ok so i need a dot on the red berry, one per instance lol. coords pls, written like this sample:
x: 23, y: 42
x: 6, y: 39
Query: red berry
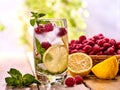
x: 100, y: 36
x: 45, y: 45
x: 48, y: 27
x: 82, y: 38
x: 106, y: 45
x: 99, y: 53
x: 90, y: 42
x: 87, y: 48
x: 70, y: 81
x: 112, y: 41
x: 96, y: 48
x: 74, y: 51
x: 79, y: 46
x: 62, y: 32
x: 110, y: 51
x: 118, y: 52
x: 106, y: 40
x: 96, y: 37
x: 101, y: 42
x: 40, y: 29
x: 78, y: 79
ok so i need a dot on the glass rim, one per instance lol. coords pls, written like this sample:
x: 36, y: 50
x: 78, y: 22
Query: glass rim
x: 53, y: 19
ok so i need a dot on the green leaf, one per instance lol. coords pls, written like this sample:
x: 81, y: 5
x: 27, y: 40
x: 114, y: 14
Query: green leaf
x: 28, y: 79
x: 15, y: 73
x: 40, y: 50
x: 12, y: 81
x: 41, y: 14
x: 32, y: 22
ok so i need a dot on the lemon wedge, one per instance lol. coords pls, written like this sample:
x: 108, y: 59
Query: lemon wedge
x: 106, y: 69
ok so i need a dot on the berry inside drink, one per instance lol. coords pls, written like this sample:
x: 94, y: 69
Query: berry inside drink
x: 51, y: 50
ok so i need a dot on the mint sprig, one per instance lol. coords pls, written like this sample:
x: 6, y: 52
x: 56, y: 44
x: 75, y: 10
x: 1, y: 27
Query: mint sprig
x: 17, y: 80
x: 36, y: 18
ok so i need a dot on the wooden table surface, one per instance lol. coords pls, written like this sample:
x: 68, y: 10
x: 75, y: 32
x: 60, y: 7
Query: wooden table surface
x: 22, y: 63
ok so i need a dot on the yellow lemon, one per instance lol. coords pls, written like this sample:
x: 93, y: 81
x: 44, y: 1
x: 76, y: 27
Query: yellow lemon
x: 106, y: 69
x: 55, y: 58
x: 79, y: 64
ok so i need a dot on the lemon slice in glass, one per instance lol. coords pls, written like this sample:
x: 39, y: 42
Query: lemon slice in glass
x: 55, y: 58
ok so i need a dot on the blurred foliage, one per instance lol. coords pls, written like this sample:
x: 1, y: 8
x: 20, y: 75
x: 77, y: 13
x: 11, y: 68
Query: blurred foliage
x: 73, y: 10
x: 2, y: 27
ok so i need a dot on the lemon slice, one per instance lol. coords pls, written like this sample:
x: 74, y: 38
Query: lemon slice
x: 106, y: 69
x: 79, y: 64
x: 55, y: 58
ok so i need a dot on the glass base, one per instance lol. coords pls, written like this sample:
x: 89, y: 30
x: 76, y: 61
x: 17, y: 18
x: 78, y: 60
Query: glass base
x: 52, y: 79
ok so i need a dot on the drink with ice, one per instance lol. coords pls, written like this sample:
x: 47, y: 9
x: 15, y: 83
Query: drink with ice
x: 50, y: 50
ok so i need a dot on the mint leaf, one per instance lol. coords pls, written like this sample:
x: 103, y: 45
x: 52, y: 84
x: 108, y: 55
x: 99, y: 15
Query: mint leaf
x: 29, y: 79
x: 36, y: 18
x: 40, y: 50
x: 13, y: 82
x: 17, y: 80
x: 41, y: 14
x: 15, y: 73
x: 32, y: 22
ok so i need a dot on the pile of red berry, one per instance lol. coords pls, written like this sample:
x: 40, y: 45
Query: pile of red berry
x: 97, y: 45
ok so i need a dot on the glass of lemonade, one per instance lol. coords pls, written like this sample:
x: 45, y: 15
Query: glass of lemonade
x: 51, y: 50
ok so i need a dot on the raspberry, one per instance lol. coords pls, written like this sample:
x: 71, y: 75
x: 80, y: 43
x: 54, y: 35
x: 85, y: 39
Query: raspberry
x: 118, y: 52
x: 99, y: 53
x: 48, y: 27
x: 101, y: 42
x: 70, y: 81
x: 82, y: 38
x: 96, y: 37
x: 96, y: 48
x: 112, y: 41
x: 79, y: 46
x: 106, y: 45
x: 78, y: 79
x: 91, y: 53
x: 45, y: 45
x: 90, y: 42
x: 106, y: 40
x: 40, y: 29
x: 62, y: 32
x: 110, y: 51
x: 87, y: 48
x: 74, y: 51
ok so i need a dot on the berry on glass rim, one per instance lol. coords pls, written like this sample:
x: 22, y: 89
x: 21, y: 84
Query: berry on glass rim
x: 45, y: 45
x: 62, y: 32
x: 48, y: 27
x: 70, y: 81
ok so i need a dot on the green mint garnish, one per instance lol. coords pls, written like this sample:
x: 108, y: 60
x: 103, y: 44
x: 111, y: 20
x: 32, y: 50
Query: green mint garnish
x: 17, y: 80
x: 36, y: 19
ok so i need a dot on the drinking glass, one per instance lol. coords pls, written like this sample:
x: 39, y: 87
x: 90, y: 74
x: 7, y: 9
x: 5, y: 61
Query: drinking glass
x: 51, y: 50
